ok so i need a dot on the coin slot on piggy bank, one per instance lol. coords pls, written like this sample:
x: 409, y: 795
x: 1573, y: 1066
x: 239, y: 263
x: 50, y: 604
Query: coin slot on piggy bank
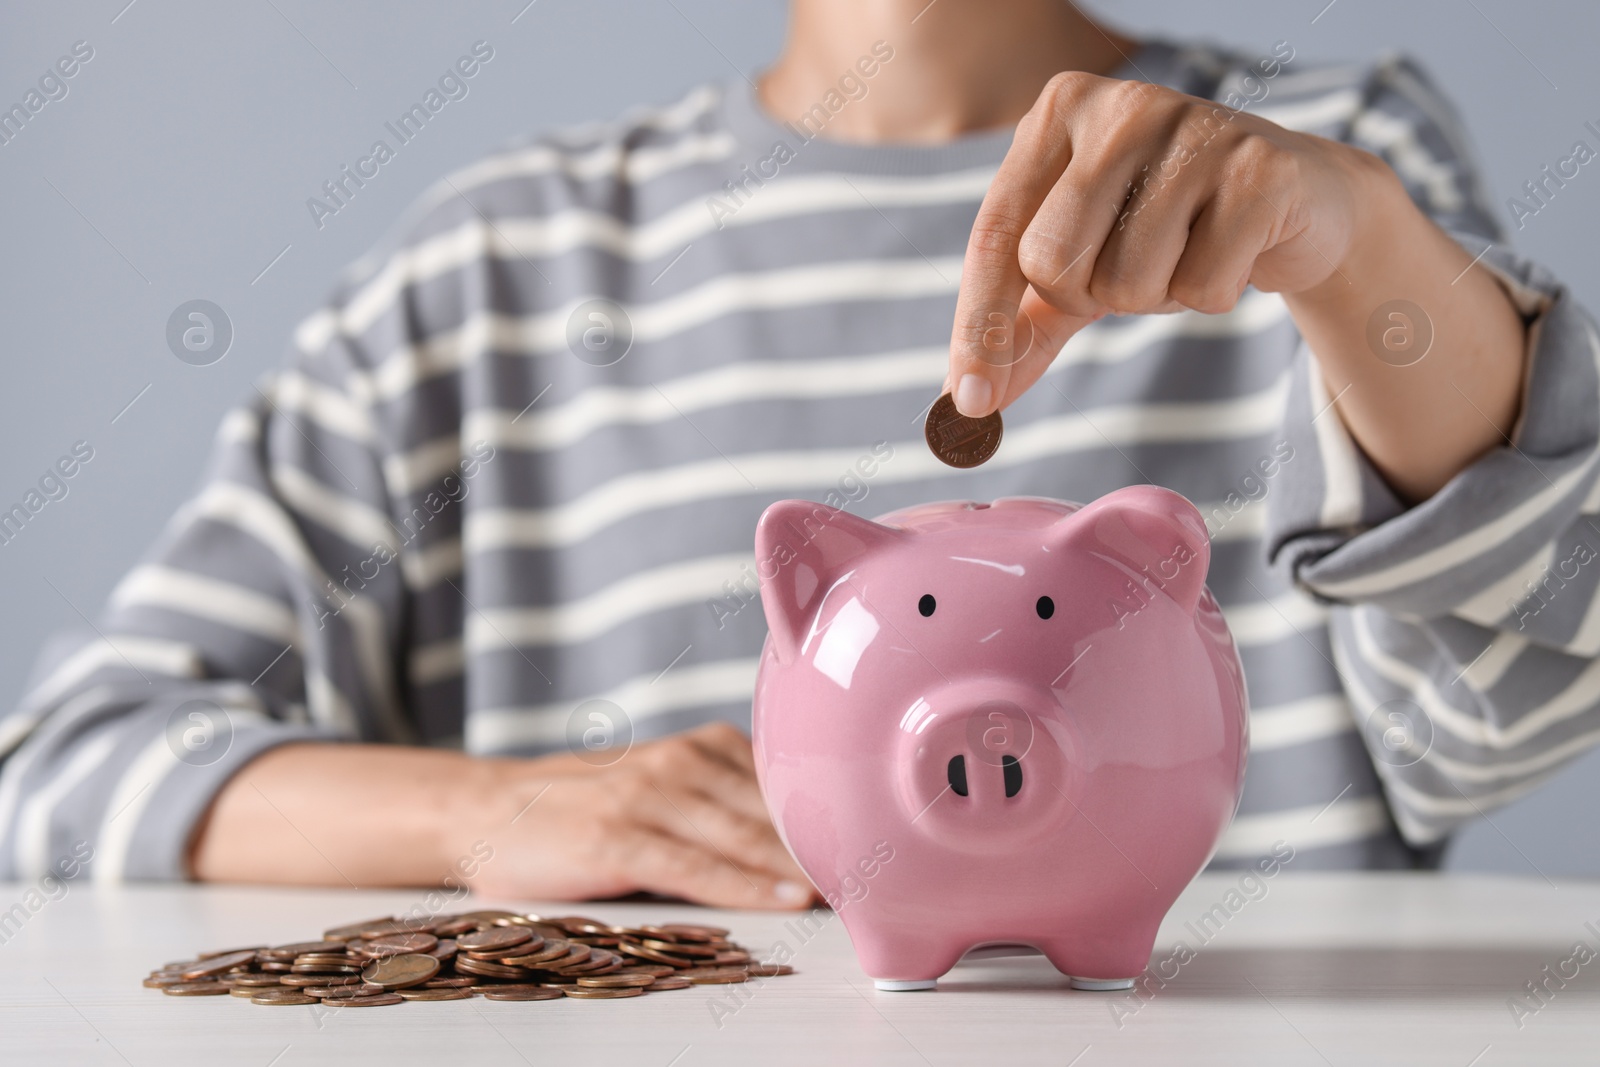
x: 1035, y: 707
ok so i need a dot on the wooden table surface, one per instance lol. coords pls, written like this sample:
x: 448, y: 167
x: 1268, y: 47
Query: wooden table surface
x: 1306, y: 969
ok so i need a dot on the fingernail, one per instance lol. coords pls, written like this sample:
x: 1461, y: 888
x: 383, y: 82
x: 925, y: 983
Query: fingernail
x: 791, y: 892
x: 973, y: 395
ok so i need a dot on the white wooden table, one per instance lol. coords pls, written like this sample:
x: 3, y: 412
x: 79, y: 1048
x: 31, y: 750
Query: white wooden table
x: 1322, y: 969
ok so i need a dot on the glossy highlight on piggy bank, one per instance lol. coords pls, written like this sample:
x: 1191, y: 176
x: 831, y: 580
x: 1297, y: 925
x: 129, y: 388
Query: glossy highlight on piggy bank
x: 1035, y: 706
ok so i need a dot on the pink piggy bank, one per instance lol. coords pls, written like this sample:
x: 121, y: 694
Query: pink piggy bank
x: 1017, y: 724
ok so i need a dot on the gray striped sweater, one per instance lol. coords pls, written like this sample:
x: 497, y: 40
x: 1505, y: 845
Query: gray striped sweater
x: 515, y: 464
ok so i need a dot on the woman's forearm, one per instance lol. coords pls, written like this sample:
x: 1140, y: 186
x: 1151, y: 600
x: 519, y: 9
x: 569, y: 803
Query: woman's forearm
x: 341, y: 815
x: 1402, y: 285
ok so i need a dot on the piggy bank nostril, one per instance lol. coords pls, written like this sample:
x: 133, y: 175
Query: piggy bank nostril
x: 1045, y: 607
x: 926, y: 605
x: 957, y: 773
x: 1012, y: 768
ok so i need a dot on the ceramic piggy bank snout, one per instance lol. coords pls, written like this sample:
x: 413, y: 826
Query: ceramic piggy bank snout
x: 975, y: 725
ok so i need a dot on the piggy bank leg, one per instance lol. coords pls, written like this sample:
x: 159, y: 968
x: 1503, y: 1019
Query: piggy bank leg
x: 1102, y: 962
x: 902, y: 962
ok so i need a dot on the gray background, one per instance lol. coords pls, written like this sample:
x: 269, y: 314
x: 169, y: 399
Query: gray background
x: 179, y: 164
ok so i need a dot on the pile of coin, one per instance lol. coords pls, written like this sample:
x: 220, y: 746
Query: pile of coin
x: 499, y: 955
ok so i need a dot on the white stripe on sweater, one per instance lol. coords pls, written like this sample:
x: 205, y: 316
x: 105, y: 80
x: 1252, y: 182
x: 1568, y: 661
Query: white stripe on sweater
x: 491, y: 730
x: 545, y: 333
x: 62, y: 722
x: 1497, y: 600
x: 1341, y: 473
x: 261, y: 519
x: 1314, y: 826
x: 1476, y: 542
x: 514, y: 237
x: 173, y: 659
x: 213, y: 599
x: 33, y: 821
x: 633, y: 494
x: 1299, y: 722
x: 1579, y: 696
x: 1264, y: 622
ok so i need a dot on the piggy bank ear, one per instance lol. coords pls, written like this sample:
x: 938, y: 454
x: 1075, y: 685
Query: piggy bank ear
x: 801, y: 549
x: 1150, y: 530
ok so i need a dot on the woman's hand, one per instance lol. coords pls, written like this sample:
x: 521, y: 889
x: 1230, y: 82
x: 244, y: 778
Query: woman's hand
x: 1121, y: 197
x: 681, y: 816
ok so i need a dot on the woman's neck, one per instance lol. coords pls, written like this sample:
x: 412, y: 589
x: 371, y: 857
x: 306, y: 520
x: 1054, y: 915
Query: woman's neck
x: 954, y: 66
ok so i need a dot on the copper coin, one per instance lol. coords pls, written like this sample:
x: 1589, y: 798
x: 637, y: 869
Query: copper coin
x: 669, y: 982
x: 299, y: 948
x: 552, y: 949
x: 273, y: 999
x: 683, y: 948
x: 275, y: 994
x: 397, y: 972
x: 434, y: 994
x: 737, y: 955
x: 493, y: 939
x: 533, y: 944
x: 716, y: 977
x: 580, y: 924
x: 489, y: 916
x: 586, y: 993
x: 277, y: 966
x: 650, y: 954
x: 692, y: 931
x: 196, y: 989
x: 450, y: 926
x: 160, y: 980
x: 353, y: 930
x: 326, y: 968
x: 244, y: 991
x: 768, y: 970
x: 214, y: 965
x: 263, y: 980
x: 485, y: 969
x: 337, y: 992
x: 229, y: 952
x: 545, y: 930
x: 458, y: 982
x: 716, y: 969
x: 655, y: 970
x: 523, y: 993
x: 957, y: 440
x: 307, y: 980
x: 589, y: 970
x: 615, y: 981
x: 376, y: 1001
x: 397, y: 926
x: 398, y: 945
x: 443, y: 949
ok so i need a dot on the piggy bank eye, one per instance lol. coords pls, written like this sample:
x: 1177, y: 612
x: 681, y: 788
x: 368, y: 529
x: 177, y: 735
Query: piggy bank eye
x: 926, y: 605
x: 1045, y: 607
